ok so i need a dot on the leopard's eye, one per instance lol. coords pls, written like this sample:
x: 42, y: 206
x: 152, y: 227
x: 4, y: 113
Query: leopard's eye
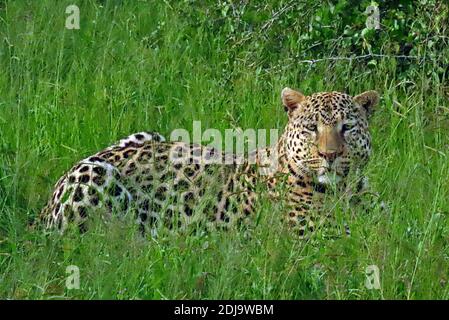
x: 347, y: 127
x: 311, y: 127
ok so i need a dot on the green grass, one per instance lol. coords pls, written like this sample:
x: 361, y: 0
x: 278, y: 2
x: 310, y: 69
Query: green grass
x: 145, y: 65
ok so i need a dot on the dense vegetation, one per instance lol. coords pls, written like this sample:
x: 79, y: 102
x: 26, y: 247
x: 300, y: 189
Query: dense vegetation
x: 159, y: 65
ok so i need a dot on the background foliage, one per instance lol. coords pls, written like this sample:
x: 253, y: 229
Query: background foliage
x: 159, y: 65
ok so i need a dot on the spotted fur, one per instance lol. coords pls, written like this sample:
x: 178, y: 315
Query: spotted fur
x: 177, y: 184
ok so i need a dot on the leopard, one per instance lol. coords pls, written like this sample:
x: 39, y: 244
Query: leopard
x: 176, y: 184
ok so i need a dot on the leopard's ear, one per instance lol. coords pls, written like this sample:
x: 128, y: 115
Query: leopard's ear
x: 367, y: 100
x: 291, y: 99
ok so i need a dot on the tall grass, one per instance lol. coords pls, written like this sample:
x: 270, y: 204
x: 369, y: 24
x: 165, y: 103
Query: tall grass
x: 143, y: 65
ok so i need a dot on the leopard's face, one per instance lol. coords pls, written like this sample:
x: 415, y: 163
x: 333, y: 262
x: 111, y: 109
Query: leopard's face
x: 327, y: 134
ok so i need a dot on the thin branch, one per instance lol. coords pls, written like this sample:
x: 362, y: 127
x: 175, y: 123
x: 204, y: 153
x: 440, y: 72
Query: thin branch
x: 312, y: 61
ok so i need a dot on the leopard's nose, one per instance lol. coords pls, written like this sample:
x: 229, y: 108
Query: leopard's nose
x: 329, y: 155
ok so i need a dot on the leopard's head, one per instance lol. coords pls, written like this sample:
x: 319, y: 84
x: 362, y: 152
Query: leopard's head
x: 327, y: 133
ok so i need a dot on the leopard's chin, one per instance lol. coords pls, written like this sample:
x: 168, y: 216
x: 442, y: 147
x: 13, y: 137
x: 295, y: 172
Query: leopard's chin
x: 329, y: 178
